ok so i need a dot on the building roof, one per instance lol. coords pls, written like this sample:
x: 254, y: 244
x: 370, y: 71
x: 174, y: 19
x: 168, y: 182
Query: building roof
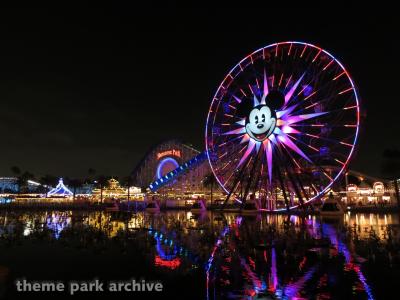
x: 60, y: 190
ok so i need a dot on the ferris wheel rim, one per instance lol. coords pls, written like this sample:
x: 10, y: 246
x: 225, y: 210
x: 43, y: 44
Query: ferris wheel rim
x: 356, y: 97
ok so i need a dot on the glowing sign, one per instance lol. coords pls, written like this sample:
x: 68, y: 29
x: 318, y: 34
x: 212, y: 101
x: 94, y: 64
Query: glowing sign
x: 172, y: 152
x: 166, y: 165
x: 379, y: 188
x: 352, y: 188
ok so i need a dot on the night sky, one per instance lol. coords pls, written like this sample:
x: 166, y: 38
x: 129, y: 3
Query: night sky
x: 96, y: 87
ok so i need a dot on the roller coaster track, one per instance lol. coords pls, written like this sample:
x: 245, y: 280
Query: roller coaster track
x: 182, y: 169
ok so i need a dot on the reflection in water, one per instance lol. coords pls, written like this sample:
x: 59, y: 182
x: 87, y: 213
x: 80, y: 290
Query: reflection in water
x: 318, y: 249
x: 56, y: 222
x: 163, y: 259
x: 340, y: 247
x: 211, y: 259
x: 270, y: 256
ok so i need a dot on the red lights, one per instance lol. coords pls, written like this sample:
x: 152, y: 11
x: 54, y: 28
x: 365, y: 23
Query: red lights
x: 171, y: 264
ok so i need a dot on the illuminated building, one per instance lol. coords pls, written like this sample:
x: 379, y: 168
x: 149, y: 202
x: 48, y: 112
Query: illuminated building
x: 168, y: 157
x: 165, y: 158
x: 366, y: 194
x: 113, y: 190
x: 10, y: 185
x: 85, y: 190
x: 60, y: 190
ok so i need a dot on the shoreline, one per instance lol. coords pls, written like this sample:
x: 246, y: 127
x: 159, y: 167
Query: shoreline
x: 102, y: 207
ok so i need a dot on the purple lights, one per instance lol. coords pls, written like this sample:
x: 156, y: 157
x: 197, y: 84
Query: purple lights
x: 284, y: 107
x: 166, y: 165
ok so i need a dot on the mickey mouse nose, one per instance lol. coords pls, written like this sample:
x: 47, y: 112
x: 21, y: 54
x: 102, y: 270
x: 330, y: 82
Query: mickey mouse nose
x: 259, y: 126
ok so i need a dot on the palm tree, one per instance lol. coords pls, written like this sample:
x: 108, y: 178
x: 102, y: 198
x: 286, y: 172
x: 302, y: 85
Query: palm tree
x: 47, y: 181
x: 17, y: 172
x: 128, y: 182
x: 391, y: 167
x: 75, y: 183
x: 91, y: 173
x: 102, y: 182
x: 209, y: 181
x: 22, y: 179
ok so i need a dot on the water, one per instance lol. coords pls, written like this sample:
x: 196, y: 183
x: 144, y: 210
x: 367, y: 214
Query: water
x: 208, y: 256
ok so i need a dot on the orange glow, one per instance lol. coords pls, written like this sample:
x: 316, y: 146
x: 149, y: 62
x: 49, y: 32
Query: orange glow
x: 172, y: 152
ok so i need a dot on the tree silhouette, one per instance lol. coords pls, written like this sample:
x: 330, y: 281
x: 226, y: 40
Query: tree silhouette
x: 209, y: 181
x: 391, y: 168
x: 16, y: 170
x: 48, y: 181
x: 102, y: 182
x: 127, y: 181
x: 91, y: 173
x: 22, y: 178
x: 75, y: 183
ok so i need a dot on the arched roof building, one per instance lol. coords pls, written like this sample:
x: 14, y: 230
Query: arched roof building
x: 166, y: 157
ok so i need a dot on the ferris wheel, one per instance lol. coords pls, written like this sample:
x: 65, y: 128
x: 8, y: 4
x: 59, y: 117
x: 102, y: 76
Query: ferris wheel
x: 283, y: 125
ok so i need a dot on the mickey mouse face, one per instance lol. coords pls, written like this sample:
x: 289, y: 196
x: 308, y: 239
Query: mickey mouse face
x: 260, y: 123
x: 260, y: 116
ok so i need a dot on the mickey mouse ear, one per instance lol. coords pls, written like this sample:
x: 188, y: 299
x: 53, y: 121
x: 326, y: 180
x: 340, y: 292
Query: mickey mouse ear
x: 244, y: 108
x: 275, y: 99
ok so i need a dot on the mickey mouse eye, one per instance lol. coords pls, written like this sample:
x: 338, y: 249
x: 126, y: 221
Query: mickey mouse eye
x: 263, y: 117
x: 256, y: 119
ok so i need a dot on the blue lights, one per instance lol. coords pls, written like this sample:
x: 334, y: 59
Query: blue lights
x: 60, y: 190
x: 5, y: 200
x: 161, y: 181
x: 163, y: 163
x: 223, y: 96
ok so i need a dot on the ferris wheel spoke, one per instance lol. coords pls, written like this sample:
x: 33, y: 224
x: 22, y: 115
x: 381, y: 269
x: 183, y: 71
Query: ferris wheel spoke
x: 226, y: 142
x: 321, y: 87
x: 250, y: 149
x: 346, y: 144
x: 333, y: 141
x: 298, y: 188
x: 327, y: 66
x: 236, y: 131
x: 338, y: 76
x: 297, y: 165
x: 265, y: 87
x: 239, y: 173
x: 315, y: 149
x: 326, y: 101
x: 268, y: 154
x: 289, y: 171
x: 299, y: 148
x: 231, y: 152
x: 286, y: 140
x: 345, y: 91
x: 297, y: 118
x: 289, y: 94
x: 238, y: 100
x: 283, y: 189
x: 286, y: 111
x: 318, y: 125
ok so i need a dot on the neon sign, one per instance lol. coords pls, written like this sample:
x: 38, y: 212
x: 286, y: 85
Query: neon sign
x: 171, y: 264
x: 172, y: 152
x: 165, y: 166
